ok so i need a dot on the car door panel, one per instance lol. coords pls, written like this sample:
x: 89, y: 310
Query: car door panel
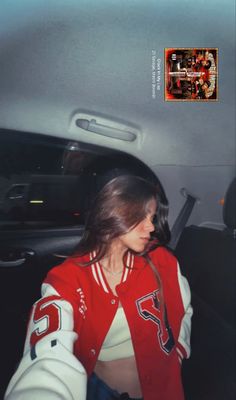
x: 36, y: 253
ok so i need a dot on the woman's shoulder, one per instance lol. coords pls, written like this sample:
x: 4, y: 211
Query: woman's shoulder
x: 67, y: 277
x: 163, y: 256
x: 69, y: 269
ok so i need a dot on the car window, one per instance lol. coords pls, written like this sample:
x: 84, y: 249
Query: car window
x: 47, y: 181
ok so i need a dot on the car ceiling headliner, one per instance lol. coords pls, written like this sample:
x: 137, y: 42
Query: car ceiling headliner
x: 61, y: 57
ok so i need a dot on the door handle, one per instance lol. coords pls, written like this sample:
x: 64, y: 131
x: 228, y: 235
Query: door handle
x: 16, y: 257
x: 12, y: 263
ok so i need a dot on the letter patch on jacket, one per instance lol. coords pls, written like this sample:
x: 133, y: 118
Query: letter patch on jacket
x: 149, y: 309
x: 46, y: 318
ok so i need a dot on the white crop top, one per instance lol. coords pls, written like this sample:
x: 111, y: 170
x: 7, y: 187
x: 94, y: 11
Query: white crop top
x: 117, y: 343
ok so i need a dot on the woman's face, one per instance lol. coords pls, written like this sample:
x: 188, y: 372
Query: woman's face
x: 138, y: 237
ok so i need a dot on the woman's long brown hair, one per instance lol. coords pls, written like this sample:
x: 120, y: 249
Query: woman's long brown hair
x: 120, y: 205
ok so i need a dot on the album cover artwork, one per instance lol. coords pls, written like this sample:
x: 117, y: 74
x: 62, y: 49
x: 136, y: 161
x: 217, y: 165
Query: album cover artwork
x: 191, y: 74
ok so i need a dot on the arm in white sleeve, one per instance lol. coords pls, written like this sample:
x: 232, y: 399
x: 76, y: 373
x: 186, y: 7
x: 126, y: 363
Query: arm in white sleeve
x: 183, y: 346
x: 49, y: 370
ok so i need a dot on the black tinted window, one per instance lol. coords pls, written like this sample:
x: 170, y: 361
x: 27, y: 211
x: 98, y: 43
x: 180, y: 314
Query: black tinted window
x: 47, y: 181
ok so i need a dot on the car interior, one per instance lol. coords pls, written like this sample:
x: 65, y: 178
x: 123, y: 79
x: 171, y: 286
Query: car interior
x: 86, y: 95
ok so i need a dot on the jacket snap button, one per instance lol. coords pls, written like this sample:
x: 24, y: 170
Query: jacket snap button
x: 93, y: 352
x: 113, y: 301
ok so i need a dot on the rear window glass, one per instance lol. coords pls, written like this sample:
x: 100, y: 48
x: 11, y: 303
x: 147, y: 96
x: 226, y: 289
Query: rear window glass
x: 48, y: 182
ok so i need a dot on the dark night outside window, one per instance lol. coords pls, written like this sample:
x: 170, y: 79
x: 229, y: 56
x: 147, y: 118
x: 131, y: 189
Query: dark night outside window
x: 50, y: 182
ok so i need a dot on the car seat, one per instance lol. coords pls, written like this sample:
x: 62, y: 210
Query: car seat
x: 208, y: 259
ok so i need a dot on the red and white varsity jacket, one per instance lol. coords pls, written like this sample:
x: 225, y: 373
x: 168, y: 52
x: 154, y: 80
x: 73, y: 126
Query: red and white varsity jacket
x: 69, y: 323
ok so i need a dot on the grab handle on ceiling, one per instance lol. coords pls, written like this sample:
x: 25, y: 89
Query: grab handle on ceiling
x: 105, y: 130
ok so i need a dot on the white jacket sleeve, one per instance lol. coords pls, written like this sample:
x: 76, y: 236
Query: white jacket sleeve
x: 183, y: 346
x: 49, y: 370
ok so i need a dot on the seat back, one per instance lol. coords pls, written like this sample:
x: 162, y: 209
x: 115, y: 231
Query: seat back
x: 208, y: 260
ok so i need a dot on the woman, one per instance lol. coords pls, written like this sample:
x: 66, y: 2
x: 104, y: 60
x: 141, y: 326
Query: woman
x: 102, y: 320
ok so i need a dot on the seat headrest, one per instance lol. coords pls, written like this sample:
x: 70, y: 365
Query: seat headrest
x: 229, y: 209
